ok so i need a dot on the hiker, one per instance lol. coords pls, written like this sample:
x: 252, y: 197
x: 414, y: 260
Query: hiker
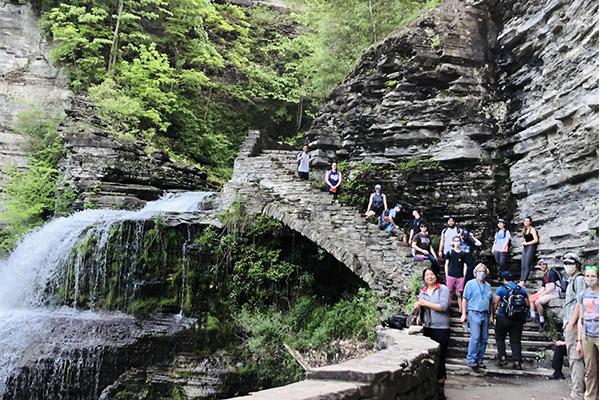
x: 333, y: 180
x: 576, y: 286
x: 304, y: 159
x: 560, y: 352
x: 436, y: 298
x: 377, y: 203
x: 468, y: 244
x: 501, y: 246
x: 448, y: 233
x: 587, y: 331
x: 455, y: 270
x: 511, y: 304
x: 530, y: 242
x: 414, y: 224
x: 388, y: 220
x: 421, y: 244
x: 477, y: 304
x: 550, y: 290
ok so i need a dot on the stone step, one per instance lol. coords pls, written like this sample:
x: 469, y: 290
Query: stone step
x: 491, y: 353
x: 529, y: 326
x: 458, y: 366
x: 525, y: 344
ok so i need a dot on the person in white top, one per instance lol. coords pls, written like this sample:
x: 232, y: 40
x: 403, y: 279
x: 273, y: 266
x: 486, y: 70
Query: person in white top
x: 304, y: 159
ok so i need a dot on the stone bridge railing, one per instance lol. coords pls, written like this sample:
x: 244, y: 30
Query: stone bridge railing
x: 404, y: 368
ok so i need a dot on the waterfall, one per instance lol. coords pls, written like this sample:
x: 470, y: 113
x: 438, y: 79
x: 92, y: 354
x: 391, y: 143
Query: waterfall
x: 29, y: 278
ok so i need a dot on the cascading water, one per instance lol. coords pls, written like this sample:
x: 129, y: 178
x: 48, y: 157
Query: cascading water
x: 32, y: 275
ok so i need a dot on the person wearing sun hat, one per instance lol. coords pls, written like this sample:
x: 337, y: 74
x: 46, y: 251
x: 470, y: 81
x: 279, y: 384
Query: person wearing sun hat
x: 587, y: 330
x: 576, y: 286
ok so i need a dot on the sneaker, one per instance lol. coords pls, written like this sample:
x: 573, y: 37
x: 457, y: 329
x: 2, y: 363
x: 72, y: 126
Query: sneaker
x: 474, y: 367
x: 481, y: 365
x: 517, y: 365
x: 501, y: 362
x: 542, y: 327
x: 556, y: 376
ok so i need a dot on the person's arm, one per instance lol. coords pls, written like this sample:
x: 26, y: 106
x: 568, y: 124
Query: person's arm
x: 340, y: 181
x: 443, y: 304
x: 464, y: 270
x: 573, y: 320
x: 497, y: 299
x: 446, y: 264
x: 441, y: 246
x: 417, y: 248
x: 299, y: 156
x: 385, y: 206
x: 475, y: 240
x: 327, y: 179
x: 370, y: 203
x: 465, y: 303
x: 412, y: 233
x: 579, y: 347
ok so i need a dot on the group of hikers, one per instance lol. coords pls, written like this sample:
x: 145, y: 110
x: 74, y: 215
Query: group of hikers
x: 507, y: 308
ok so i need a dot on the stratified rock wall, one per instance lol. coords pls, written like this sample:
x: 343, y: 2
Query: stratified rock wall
x: 27, y: 79
x: 548, y: 68
x: 105, y: 172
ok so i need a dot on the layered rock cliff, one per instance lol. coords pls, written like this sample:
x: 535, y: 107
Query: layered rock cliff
x: 494, y: 107
x: 28, y: 81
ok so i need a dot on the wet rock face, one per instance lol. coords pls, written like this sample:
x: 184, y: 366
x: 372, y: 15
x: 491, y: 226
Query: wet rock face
x: 81, y: 354
x: 548, y: 70
x: 108, y: 173
x: 27, y: 79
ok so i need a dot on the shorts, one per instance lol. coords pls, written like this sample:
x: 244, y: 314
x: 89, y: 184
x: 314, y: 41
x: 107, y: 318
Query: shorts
x: 455, y: 284
x: 544, y: 298
x: 303, y: 175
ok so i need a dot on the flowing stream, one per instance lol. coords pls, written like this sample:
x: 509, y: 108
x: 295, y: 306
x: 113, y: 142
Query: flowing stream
x: 27, y: 318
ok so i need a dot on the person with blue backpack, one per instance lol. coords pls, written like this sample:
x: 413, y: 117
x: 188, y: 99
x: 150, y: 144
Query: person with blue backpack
x: 511, y: 304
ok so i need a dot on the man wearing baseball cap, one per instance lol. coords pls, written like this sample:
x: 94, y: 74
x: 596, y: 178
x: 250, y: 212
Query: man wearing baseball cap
x: 576, y: 286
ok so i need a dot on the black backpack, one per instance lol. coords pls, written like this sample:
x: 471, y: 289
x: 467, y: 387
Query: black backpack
x: 396, y: 322
x: 515, y: 304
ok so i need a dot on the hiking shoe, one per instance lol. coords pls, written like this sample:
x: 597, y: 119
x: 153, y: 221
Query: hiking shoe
x: 556, y: 376
x: 517, y: 366
x: 481, y: 365
x: 542, y: 327
x: 501, y: 362
x: 474, y: 367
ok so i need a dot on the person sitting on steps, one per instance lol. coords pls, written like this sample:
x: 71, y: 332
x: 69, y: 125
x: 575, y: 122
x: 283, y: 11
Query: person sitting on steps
x: 455, y: 270
x: 560, y: 352
x: 550, y: 290
x: 388, y: 220
x: 421, y: 244
x: 377, y: 203
x: 304, y: 159
x: 333, y: 180
x: 511, y: 303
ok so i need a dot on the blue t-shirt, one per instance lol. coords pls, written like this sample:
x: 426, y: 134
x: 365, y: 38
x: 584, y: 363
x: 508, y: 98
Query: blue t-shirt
x: 502, y: 291
x: 502, y: 241
x: 478, y: 296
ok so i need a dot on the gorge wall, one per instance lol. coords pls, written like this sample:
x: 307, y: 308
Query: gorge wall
x: 28, y: 81
x: 481, y: 110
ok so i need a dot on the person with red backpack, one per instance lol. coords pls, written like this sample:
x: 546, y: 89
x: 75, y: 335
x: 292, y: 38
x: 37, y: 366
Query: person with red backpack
x: 550, y: 290
x: 511, y: 304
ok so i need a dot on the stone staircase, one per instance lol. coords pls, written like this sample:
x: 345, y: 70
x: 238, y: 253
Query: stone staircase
x: 264, y: 181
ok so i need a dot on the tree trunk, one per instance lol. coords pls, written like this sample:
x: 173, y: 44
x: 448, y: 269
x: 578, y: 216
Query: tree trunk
x: 373, y: 26
x: 299, y: 116
x: 112, y: 60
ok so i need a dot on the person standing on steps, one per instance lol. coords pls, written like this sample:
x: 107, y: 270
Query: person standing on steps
x: 377, y: 203
x: 511, y: 303
x: 455, y: 269
x: 576, y: 286
x: 587, y: 331
x: 477, y: 304
x: 414, y: 224
x: 468, y: 244
x: 304, y: 159
x: 448, y: 233
x: 501, y: 246
x: 436, y: 298
x: 421, y: 244
x: 333, y: 180
x: 550, y: 290
x: 530, y: 243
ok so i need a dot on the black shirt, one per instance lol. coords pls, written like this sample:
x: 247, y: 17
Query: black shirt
x: 456, y: 263
x: 423, y: 241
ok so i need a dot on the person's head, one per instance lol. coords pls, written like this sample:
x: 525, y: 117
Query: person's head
x: 429, y: 277
x: 398, y: 207
x: 378, y: 188
x: 527, y: 222
x: 305, y: 149
x: 480, y: 272
x: 506, y: 276
x: 543, y: 264
x: 334, y: 166
x: 423, y: 227
x: 416, y: 213
x: 451, y: 222
x: 590, y: 274
x: 501, y: 224
x: 571, y: 263
x: 456, y: 242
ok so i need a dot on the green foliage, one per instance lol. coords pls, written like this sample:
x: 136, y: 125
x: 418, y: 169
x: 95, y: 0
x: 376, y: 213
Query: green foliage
x: 339, y: 31
x: 413, y: 165
x: 358, y: 179
x: 30, y: 197
x: 436, y: 42
x: 416, y: 282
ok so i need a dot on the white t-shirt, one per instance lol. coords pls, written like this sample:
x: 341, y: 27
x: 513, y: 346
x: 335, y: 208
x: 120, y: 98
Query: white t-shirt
x: 304, y: 162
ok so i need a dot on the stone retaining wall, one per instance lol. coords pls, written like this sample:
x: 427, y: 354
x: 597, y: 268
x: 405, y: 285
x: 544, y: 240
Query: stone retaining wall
x: 405, y: 368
